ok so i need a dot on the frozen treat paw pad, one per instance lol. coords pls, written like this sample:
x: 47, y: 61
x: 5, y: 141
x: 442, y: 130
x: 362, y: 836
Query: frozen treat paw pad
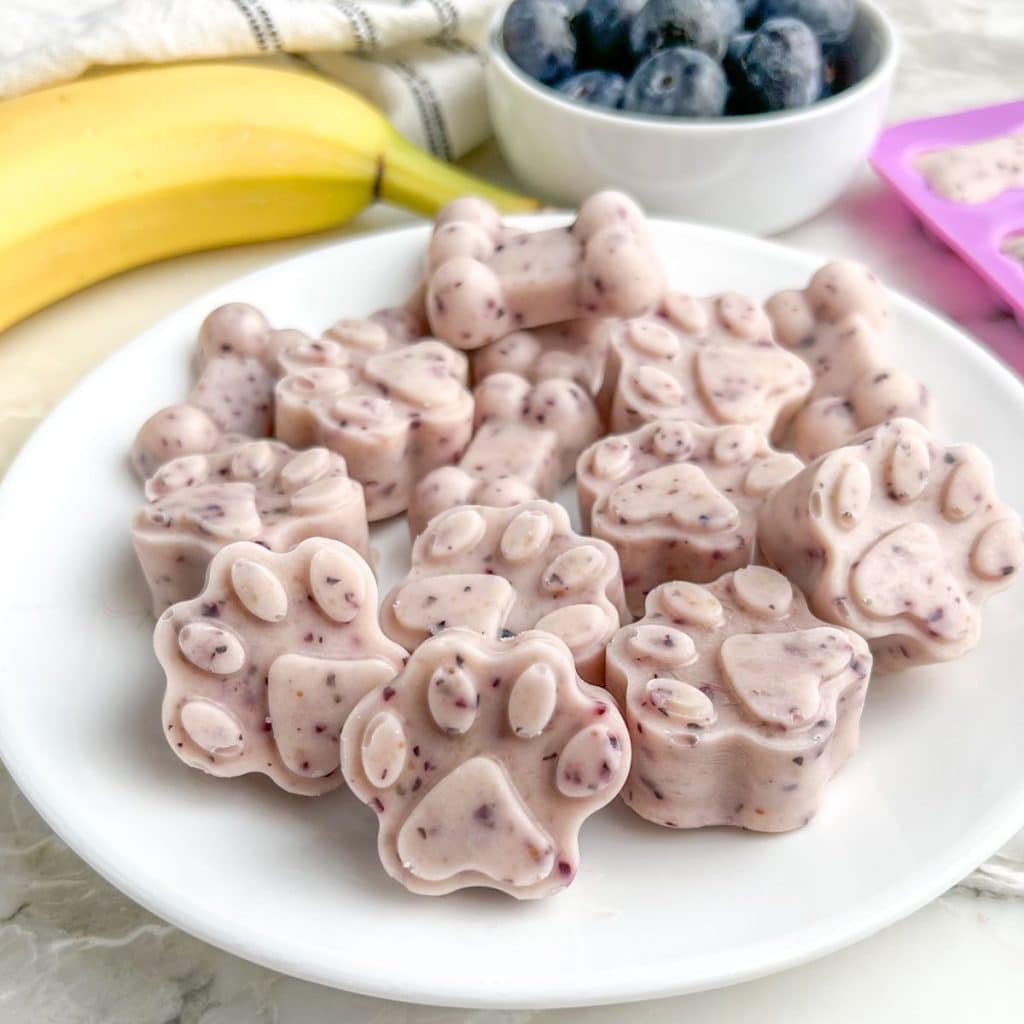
x: 741, y: 705
x: 525, y: 445
x: 500, y: 571
x: 678, y: 500
x: 576, y: 350
x: 482, y: 760
x: 262, y: 672
x: 394, y: 412
x: 261, y: 491
x: 837, y: 325
x: 710, y: 360
x: 899, y: 538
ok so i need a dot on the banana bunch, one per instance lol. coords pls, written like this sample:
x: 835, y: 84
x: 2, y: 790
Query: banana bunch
x: 126, y: 167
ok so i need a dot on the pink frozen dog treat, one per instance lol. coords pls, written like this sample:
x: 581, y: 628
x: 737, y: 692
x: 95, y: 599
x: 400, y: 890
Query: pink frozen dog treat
x: 741, y: 705
x: 264, y: 666
x: 836, y: 325
x: 526, y: 443
x: 482, y: 760
x: 898, y: 538
x: 975, y: 172
x: 394, y: 415
x: 499, y: 571
x: 678, y: 501
x: 709, y: 360
x: 576, y: 350
x: 261, y: 491
x: 240, y: 357
x: 486, y: 282
x: 234, y: 391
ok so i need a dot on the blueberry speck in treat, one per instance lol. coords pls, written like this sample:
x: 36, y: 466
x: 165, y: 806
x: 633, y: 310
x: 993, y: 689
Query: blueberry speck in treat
x: 564, y: 868
x: 211, y: 610
x: 377, y: 805
x: 798, y: 760
x: 387, y: 693
x: 537, y: 37
x: 677, y: 83
x: 484, y: 815
x: 598, y: 88
x: 705, y: 25
x: 422, y: 832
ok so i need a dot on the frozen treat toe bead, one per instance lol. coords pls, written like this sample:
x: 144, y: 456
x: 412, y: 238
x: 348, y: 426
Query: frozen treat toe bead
x: 678, y: 501
x: 525, y: 445
x: 172, y: 432
x: 486, y: 281
x: 394, y: 414
x: 482, y: 760
x: 576, y: 350
x: 837, y: 325
x: 500, y: 571
x: 741, y: 705
x: 896, y: 537
x: 266, y: 663
x: 235, y: 329
x: 710, y: 360
x: 261, y: 491
x: 468, y: 226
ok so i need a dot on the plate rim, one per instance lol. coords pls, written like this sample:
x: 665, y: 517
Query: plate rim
x: 635, y: 985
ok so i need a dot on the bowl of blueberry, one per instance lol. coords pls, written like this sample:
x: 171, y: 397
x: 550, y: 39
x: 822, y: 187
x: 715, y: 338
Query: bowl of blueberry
x: 752, y: 114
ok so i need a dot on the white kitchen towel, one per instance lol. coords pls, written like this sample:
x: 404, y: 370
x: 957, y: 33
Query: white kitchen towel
x: 419, y: 60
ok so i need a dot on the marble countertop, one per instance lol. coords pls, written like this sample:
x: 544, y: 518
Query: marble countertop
x: 73, y: 949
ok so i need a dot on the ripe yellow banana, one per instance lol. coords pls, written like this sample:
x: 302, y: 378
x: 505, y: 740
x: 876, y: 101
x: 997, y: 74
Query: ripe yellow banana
x: 128, y: 167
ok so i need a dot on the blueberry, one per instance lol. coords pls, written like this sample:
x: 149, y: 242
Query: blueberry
x: 839, y: 69
x: 602, y: 33
x: 830, y: 20
x: 601, y: 88
x: 537, y: 37
x: 782, y: 66
x: 749, y: 9
x: 703, y: 25
x: 680, y: 82
x: 732, y: 65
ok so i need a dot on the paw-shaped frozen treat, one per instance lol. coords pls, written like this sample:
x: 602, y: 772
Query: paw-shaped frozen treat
x: 482, y: 760
x: 394, y: 415
x: 486, y: 282
x: 741, y: 705
x: 240, y: 357
x: 678, y: 501
x: 264, y: 666
x: 837, y: 326
x: 262, y: 491
x: 499, y: 571
x: 525, y: 445
x: 576, y: 350
x: 898, y: 538
x: 710, y: 360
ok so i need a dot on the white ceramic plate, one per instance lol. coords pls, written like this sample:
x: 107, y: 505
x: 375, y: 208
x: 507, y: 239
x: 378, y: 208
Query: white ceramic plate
x: 293, y: 883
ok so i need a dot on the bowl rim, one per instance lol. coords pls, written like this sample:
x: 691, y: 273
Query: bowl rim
x: 880, y: 74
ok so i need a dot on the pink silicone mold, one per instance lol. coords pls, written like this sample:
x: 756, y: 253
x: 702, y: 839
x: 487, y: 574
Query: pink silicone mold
x: 976, y: 232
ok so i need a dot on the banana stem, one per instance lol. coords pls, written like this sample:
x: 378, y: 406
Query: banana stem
x: 414, y: 179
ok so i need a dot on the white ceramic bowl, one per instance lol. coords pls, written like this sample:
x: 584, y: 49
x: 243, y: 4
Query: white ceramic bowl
x: 759, y: 173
